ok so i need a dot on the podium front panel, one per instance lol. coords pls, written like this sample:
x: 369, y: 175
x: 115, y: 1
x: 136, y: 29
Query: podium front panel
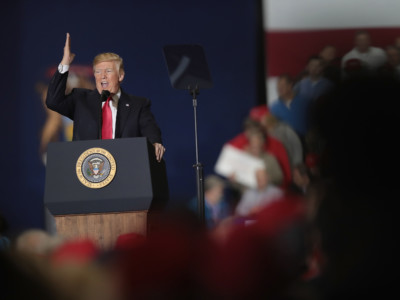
x: 131, y: 189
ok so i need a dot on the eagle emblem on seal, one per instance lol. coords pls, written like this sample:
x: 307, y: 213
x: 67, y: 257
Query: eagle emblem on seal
x: 95, y: 167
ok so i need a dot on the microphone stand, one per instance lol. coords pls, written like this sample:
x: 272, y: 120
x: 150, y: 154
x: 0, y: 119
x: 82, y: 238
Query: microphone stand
x: 199, y: 167
x: 188, y: 70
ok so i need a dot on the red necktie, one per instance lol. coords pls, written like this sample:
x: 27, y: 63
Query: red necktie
x: 106, y: 129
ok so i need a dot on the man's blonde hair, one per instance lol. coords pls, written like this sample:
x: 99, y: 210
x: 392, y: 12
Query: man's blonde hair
x: 109, y: 56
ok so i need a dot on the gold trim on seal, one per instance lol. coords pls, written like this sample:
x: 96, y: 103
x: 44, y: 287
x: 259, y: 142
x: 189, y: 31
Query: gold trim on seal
x: 107, y: 180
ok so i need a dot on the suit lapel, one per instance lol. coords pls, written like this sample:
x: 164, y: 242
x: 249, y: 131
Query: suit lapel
x: 124, y: 108
x: 96, y: 109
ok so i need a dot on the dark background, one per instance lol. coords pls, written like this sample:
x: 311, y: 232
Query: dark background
x: 33, y: 37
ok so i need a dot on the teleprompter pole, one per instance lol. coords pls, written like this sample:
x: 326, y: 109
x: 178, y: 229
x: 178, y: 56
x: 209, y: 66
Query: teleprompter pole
x: 198, y: 165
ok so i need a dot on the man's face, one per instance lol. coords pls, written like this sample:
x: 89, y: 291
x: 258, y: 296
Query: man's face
x: 397, y: 42
x: 107, y: 77
x: 393, y: 56
x: 284, y: 88
x: 256, y: 144
x: 214, y: 195
x: 328, y: 53
x: 362, y: 42
x: 314, y: 67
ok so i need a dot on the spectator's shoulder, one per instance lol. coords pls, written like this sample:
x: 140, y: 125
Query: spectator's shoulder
x: 327, y: 81
x: 4, y: 243
x: 275, y: 190
x: 351, y: 54
x: 378, y: 51
x: 299, y: 97
x: 192, y: 204
x: 275, y: 103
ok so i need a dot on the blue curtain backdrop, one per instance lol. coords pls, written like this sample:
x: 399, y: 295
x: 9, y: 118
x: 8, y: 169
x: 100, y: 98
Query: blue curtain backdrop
x: 33, y: 38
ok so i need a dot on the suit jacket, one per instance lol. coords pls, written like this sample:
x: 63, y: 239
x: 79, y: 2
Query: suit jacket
x: 83, y: 106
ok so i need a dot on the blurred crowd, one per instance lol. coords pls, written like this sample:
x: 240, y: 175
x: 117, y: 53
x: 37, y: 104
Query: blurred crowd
x: 318, y: 224
x: 287, y: 133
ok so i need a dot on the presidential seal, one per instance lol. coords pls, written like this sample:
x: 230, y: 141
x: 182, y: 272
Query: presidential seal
x: 96, y: 168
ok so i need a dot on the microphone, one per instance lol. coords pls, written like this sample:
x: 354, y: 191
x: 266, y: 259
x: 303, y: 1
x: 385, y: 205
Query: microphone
x: 104, y: 95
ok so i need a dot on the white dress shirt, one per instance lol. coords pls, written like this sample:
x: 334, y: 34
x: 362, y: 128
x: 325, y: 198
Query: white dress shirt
x: 253, y: 198
x: 373, y: 58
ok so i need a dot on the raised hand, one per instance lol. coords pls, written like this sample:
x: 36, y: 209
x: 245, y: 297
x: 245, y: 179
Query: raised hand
x: 68, y: 56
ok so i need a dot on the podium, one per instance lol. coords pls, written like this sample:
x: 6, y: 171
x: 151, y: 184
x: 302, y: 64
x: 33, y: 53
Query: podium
x: 100, y: 189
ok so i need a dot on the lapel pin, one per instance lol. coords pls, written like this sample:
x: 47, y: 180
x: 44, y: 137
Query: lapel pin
x: 127, y: 104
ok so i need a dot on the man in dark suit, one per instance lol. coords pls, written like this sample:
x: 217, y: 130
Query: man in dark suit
x: 130, y: 116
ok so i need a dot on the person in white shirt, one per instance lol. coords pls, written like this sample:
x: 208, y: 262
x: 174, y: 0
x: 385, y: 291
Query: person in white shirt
x: 255, y: 199
x: 370, y: 58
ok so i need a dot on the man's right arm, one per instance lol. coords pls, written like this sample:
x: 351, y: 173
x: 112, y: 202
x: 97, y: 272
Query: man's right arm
x: 56, y: 99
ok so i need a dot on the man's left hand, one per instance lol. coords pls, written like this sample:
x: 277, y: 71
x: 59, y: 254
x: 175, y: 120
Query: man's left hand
x: 159, y: 151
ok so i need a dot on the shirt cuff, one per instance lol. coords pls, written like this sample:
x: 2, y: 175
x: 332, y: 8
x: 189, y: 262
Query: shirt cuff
x: 63, y: 68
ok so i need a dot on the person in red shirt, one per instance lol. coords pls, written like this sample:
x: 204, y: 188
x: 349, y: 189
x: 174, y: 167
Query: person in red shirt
x: 272, y: 145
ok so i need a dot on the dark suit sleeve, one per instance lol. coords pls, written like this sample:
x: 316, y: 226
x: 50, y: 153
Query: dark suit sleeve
x: 148, y: 124
x: 56, y: 99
